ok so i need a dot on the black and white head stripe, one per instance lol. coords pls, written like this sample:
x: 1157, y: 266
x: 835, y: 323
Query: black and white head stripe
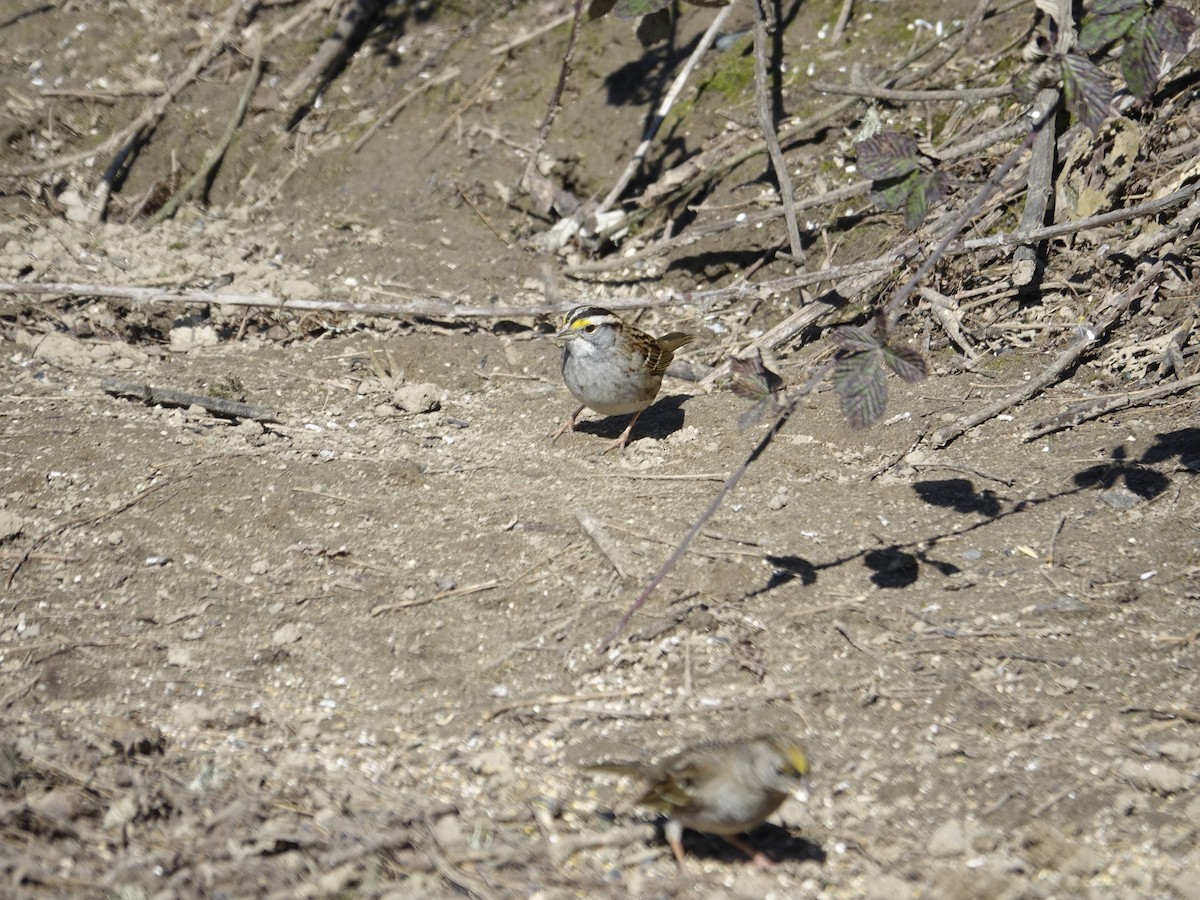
x: 582, y: 316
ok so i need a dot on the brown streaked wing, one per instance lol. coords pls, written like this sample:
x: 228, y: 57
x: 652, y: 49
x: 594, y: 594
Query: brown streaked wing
x: 661, y: 358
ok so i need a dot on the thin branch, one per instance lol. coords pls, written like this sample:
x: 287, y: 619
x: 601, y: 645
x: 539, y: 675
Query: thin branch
x: 949, y: 48
x: 792, y: 404
x: 205, y: 172
x: 527, y: 36
x: 442, y: 77
x: 216, y: 406
x: 665, y: 107
x: 555, y: 98
x: 336, y: 48
x: 1149, y: 208
x: 767, y: 123
x: 1039, y: 180
x: 1067, y: 359
x: 696, y: 232
x: 433, y: 309
x: 876, y: 92
x: 944, y: 310
x: 82, y: 520
x: 1102, y: 406
x: 843, y: 19
x: 155, y: 110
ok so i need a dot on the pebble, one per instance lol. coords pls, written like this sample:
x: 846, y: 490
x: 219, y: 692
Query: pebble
x: 10, y: 524
x: 417, y: 398
x: 493, y: 762
x: 449, y: 832
x: 1183, y: 751
x: 1120, y: 498
x: 1156, y: 777
x: 286, y: 634
x: 950, y: 839
x: 179, y: 656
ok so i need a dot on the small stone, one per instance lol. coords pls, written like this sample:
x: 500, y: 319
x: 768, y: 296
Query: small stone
x: 193, y: 715
x: 179, y: 656
x: 11, y: 524
x: 1193, y: 810
x: 189, y: 335
x: 260, y: 567
x: 449, y: 831
x: 1120, y: 498
x: 1183, y: 751
x: 417, y: 398
x: 121, y: 813
x: 1128, y: 803
x: 494, y: 763
x: 950, y: 839
x: 60, y: 350
x: 298, y: 289
x: 1046, y: 847
x: 1156, y: 777
x: 286, y: 634
x: 750, y: 883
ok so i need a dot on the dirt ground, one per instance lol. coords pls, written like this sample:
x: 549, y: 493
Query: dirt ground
x: 352, y: 652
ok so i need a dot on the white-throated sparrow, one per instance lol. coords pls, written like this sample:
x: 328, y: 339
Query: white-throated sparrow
x: 612, y: 367
x: 721, y: 788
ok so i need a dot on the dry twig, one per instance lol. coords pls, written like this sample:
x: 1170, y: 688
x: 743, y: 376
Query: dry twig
x: 216, y: 406
x: 433, y: 309
x: 1102, y: 406
x: 337, y: 48
x: 441, y: 595
x: 665, y: 107
x: 1116, y: 307
x: 766, y: 121
x: 556, y: 98
x: 205, y: 172
x: 81, y: 520
x: 155, y: 111
x: 442, y: 77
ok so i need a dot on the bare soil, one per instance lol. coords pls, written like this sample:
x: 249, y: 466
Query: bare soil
x: 352, y: 653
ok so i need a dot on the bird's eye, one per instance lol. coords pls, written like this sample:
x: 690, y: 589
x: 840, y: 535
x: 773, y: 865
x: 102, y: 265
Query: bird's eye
x: 589, y: 328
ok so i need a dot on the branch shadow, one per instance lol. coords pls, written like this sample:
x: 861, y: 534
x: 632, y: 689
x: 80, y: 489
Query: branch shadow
x: 899, y: 565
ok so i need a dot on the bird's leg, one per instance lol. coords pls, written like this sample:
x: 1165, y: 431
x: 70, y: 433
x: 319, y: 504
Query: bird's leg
x: 673, y: 832
x: 568, y: 425
x: 760, y: 859
x: 623, y: 439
